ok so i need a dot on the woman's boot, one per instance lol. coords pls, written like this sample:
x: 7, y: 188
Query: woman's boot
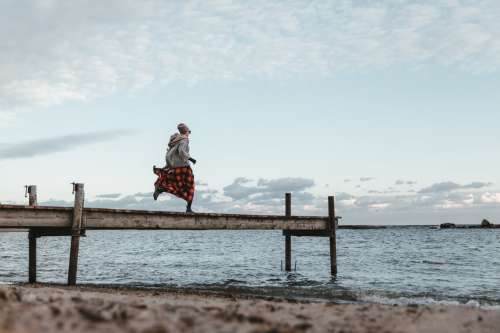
x: 156, y: 194
x: 188, y: 207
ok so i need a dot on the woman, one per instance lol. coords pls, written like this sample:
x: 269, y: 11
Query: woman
x: 177, y: 176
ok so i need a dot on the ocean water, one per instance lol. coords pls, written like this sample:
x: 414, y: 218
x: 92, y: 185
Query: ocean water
x: 393, y: 265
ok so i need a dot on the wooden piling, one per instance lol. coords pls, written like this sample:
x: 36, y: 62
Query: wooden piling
x: 32, y: 201
x: 288, y: 238
x: 75, y: 232
x: 332, y: 225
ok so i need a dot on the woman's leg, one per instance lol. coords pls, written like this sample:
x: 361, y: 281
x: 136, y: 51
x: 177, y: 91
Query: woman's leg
x: 188, y: 207
x: 158, y: 190
x: 156, y: 193
x: 189, y: 188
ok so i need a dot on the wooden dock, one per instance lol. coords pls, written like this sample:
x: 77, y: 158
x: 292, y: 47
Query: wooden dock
x: 42, y: 221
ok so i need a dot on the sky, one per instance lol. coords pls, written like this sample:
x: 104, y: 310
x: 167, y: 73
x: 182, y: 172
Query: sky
x: 391, y: 106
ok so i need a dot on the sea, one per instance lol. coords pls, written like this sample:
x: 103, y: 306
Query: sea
x: 396, y: 265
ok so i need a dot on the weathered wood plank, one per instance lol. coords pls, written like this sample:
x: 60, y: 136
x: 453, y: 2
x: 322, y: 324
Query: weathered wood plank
x: 107, y: 220
x: 26, y: 216
x: 13, y: 216
x: 307, y: 233
x: 49, y: 232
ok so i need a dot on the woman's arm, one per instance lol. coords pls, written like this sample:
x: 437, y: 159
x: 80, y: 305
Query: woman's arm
x: 184, y: 150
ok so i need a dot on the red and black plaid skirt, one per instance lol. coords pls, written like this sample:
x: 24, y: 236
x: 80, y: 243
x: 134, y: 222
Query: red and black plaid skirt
x: 177, y: 181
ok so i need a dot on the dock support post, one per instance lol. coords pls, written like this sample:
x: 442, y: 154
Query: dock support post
x: 75, y: 232
x: 332, y: 226
x: 288, y: 239
x: 32, y: 201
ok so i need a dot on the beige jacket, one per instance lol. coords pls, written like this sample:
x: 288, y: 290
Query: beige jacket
x: 178, y: 151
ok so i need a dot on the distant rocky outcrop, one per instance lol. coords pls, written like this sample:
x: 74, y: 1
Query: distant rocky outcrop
x: 486, y: 224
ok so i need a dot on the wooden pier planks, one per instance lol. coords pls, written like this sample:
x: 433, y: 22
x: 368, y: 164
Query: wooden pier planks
x: 96, y: 218
x: 25, y: 217
x: 65, y: 221
x: 130, y: 219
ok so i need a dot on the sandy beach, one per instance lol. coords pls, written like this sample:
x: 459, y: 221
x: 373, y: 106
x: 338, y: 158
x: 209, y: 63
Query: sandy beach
x: 43, y: 308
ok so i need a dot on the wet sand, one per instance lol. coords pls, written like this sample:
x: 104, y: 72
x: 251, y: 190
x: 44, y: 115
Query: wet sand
x: 42, y: 308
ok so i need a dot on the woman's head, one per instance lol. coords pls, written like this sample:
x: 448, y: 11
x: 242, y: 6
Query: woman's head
x: 183, y: 129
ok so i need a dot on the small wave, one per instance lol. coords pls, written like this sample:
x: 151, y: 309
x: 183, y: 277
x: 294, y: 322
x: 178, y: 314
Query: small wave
x: 431, y: 262
x: 229, y: 282
x: 425, y: 301
x: 4, y: 283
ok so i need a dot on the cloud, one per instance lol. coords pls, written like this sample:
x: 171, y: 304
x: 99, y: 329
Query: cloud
x: 400, y: 182
x: 264, y: 189
x: 476, y: 185
x: 286, y: 184
x: 375, y: 192
x: 451, y: 186
x: 366, y: 179
x: 143, y: 194
x: 489, y: 198
x: 57, y: 144
x: 90, y: 51
x: 343, y: 196
x: 440, y: 187
x: 267, y: 195
x: 206, y: 200
x: 264, y: 196
x: 109, y: 196
x: 399, y: 208
x: 237, y: 190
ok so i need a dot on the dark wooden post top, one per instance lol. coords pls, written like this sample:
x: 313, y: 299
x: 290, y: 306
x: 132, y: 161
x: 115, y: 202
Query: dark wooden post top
x: 288, y: 204
x: 32, y: 201
x: 331, y: 210
x: 76, y: 226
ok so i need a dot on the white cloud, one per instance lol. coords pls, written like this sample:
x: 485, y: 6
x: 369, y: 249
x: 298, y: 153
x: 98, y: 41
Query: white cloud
x: 366, y: 179
x: 267, y: 195
x: 109, y: 196
x: 451, y: 186
x: 57, y: 51
x: 448, y: 204
x: 267, y: 200
x: 490, y: 198
x: 401, y: 182
x: 57, y: 144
